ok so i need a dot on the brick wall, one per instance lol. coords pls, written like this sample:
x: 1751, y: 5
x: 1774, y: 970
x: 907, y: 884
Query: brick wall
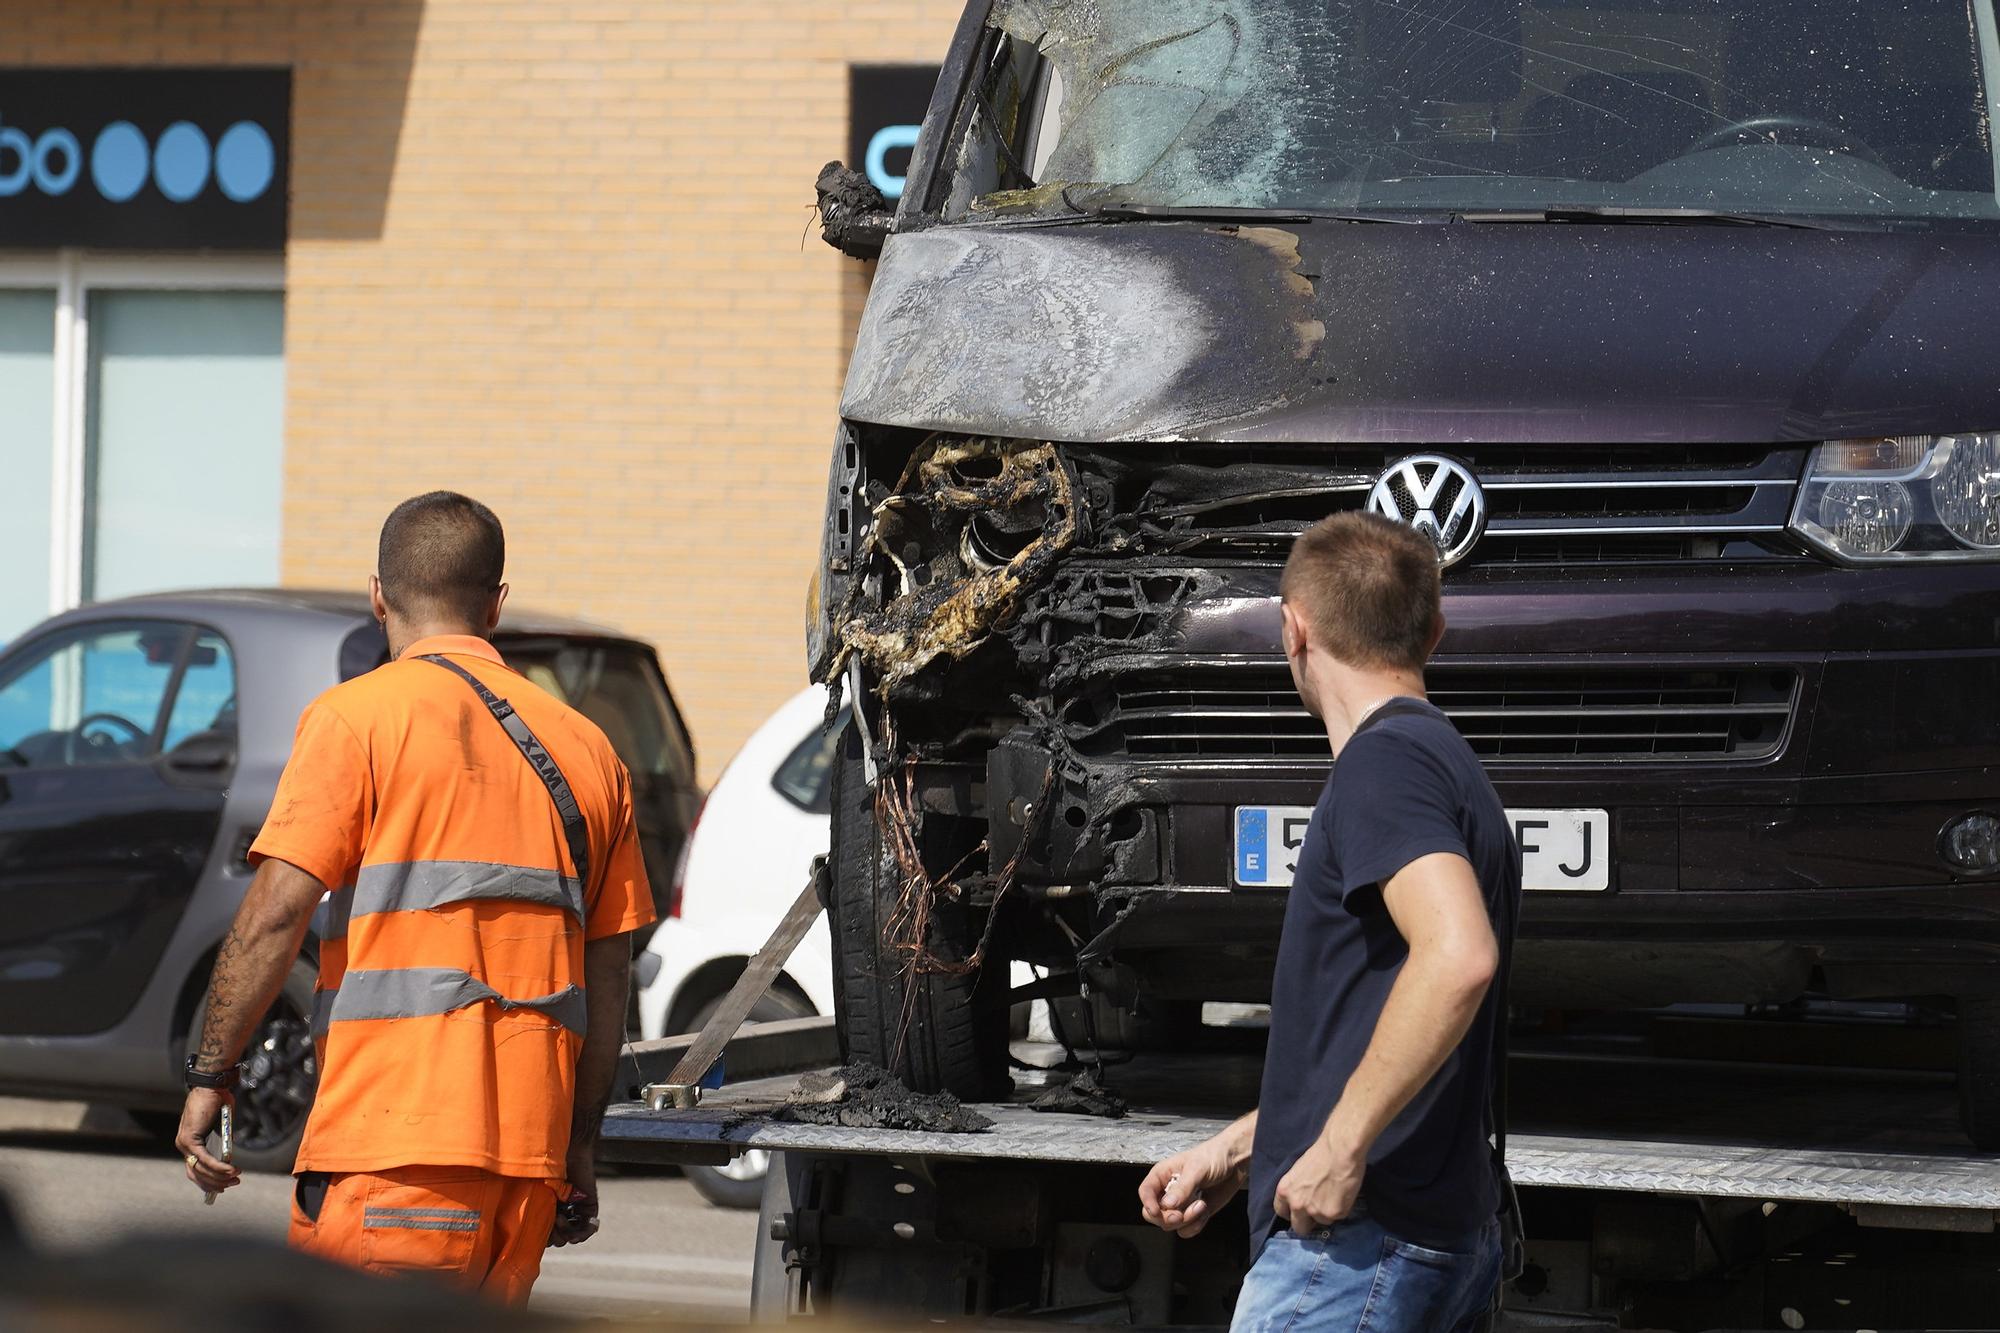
x: 554, y: 253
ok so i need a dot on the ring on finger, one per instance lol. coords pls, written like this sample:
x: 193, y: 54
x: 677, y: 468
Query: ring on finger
x: 192, y: 1163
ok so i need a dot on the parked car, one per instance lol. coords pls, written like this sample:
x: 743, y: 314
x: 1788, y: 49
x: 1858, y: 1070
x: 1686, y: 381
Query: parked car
x: 751, y: 850
x: 140, y: 744
x: 1685, y: 361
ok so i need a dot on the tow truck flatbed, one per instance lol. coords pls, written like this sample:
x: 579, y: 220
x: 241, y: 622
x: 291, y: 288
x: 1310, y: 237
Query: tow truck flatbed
x: 1692, y: 1193
x: 1937, y: 1180
x: 1880, y: 1138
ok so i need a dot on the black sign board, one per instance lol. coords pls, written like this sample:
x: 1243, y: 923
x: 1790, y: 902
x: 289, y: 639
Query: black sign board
x: 153, y: 159
x: 885, y: 105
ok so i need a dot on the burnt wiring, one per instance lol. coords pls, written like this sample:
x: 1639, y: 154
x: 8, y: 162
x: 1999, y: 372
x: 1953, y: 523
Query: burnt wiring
x: 969, y: 528
x: 909, y: 933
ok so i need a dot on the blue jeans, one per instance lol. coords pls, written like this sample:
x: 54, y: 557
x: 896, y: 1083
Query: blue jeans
x: 1357, y: 1278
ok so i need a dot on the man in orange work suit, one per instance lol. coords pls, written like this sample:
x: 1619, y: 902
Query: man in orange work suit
x: 482, y: 876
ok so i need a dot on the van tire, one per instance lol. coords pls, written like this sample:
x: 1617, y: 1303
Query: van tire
x: 1979, y: 1070
x: 951, y: 1046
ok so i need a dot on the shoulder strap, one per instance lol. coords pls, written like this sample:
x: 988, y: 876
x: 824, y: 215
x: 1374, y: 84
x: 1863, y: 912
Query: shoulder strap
x: 538, y: 759
x: 1404, y: 705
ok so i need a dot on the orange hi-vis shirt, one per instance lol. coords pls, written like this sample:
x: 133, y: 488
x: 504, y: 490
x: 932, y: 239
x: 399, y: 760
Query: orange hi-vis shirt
x: 450, y: 1011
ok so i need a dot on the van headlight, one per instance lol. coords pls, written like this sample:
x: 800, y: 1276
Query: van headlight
x: 1904, y: 497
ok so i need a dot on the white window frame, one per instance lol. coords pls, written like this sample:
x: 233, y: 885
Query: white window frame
x: 73, y: 275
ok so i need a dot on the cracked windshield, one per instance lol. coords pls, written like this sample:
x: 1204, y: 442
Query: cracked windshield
x: 1858, y: 113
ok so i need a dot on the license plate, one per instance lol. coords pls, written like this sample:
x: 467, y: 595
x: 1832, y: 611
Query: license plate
x: 1560, y: 849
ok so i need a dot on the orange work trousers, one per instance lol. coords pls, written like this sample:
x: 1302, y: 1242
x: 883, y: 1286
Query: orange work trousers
x: 469, y: 1227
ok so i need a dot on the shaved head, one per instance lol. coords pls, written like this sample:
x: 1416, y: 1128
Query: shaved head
x: 441, y: 556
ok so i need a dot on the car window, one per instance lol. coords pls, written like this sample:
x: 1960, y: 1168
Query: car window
x: 806, y: 777
x: 206, y: 699
x: 617, y: 688
x: 89, y: 697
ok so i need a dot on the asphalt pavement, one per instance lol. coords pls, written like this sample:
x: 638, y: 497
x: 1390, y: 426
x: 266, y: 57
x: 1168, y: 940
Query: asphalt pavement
x: 80, y: 1177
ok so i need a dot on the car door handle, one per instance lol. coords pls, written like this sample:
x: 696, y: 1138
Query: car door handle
x: 205, y: 753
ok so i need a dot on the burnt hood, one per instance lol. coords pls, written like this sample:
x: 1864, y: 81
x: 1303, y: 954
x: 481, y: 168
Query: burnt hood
x: 1430, y: 333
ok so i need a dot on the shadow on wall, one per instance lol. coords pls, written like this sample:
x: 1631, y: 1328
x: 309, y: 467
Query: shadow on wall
x: 350, y: 80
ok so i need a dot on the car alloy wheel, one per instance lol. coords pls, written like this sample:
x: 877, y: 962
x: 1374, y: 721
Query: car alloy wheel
x: 280, y: 1072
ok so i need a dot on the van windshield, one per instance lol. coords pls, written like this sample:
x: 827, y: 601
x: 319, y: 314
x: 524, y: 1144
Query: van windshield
x: 1860, y: 109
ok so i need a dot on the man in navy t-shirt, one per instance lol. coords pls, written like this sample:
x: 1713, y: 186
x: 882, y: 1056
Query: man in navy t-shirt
x: 1373, y: 1191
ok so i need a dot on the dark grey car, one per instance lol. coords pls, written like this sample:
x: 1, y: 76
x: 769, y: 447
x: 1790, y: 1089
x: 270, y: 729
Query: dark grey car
x: 140, y: 743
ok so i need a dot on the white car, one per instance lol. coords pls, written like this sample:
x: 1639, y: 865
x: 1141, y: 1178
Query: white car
x: 748, y: 857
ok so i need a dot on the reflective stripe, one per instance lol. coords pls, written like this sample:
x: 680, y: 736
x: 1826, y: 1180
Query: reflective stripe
x: 447, y: 1214
x: 414, y: 886
x: 323, y: 1010
x: 414, y: 992
x: 412, y: 1224
x: 329, y: 919
x: 417, y: 1219
x: 334, y: 913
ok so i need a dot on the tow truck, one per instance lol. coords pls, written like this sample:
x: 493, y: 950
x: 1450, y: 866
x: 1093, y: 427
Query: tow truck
x: 1671, y: 308
x: 1686, y: 1169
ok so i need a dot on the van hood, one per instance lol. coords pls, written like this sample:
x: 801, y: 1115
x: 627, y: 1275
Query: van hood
x: 1441, y: 333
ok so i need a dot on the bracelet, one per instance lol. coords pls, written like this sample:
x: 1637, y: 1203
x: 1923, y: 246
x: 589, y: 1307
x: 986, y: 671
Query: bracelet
x: 223, y: 1080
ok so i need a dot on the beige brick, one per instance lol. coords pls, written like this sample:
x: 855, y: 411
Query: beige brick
x: 549, y: 252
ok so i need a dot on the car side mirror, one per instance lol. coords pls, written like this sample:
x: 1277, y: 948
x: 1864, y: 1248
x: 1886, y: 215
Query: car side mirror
x: 854, y: 216
x: 203, y: 752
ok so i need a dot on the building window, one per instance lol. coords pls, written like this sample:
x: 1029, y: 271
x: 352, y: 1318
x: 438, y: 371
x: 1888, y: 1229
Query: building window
x: 184, y: 431
x: 27, y: 410
x: 144, y: 421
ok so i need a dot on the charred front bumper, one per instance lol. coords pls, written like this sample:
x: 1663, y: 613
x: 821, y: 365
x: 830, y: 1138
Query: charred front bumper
x: 1085, y: 678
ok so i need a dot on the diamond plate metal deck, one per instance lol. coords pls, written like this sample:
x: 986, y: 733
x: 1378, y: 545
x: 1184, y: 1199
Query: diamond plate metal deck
x: 737, y: 1118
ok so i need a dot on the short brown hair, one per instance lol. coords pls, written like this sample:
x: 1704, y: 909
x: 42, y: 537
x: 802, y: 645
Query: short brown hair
x: 1368, y: 587
x: 441, y: 552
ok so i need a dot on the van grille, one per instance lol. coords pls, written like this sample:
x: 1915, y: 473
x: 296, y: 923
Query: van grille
x: 1570, y: 504
x: 1524, y: 714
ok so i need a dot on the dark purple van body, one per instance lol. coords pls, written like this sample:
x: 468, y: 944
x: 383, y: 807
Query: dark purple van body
x: 1084, y: 421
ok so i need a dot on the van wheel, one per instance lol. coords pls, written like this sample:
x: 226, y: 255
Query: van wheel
x: 953, y: 1044
x: 1979, y: 1070
x: 740, y: 1184
x: 280, y: 1075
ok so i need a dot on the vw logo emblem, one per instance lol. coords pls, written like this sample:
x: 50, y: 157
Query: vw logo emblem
x: 1437, y: 496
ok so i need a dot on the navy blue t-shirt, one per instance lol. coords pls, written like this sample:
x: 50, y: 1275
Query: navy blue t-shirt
x: 1405, y: 786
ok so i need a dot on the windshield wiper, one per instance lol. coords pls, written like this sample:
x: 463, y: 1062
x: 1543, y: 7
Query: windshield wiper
x: 1612, y: 213
x: 1227, y: 213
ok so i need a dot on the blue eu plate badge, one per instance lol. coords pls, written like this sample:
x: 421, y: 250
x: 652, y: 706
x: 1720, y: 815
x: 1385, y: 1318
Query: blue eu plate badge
x: 1253, y: 845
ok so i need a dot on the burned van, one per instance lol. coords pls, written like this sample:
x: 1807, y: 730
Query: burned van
x: 1672, y: 321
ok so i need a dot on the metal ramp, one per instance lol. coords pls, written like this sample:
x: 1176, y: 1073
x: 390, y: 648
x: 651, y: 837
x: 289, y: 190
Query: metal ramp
x: 1676, y: 1128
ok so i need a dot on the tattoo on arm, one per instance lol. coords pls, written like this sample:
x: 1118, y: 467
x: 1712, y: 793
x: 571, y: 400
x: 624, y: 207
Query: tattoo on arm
x: 225, y: 999
x: 250, y: 967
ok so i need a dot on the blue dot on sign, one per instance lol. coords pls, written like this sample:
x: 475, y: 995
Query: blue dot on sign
x: 180, y: 162
x: 118, y: 161
x: 244, y: 161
